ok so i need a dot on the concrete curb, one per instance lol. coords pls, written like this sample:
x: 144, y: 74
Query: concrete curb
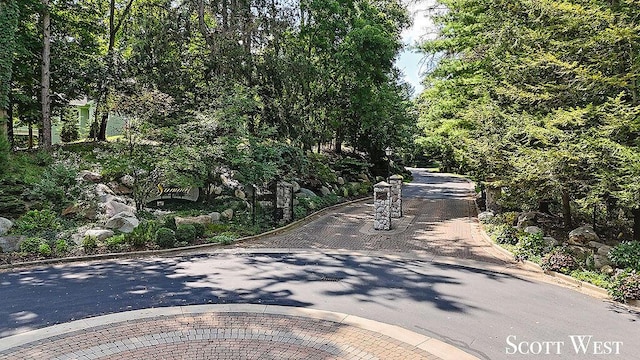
x: 581, y: 286
x: 147, y: 253
x: 426, y: 343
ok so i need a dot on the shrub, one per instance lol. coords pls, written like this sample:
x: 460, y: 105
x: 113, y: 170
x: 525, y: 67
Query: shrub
x: 529, y: 247
x: 58, y: 184
x: 212, y: 229
x: 31, y: 245
x: 320, y: 168
x: 507, y: 235
x: 626, y: 255
x: 61, y: 247
x: 510, y: 217
x: 165, y: 238
x: 625, y: 286
x: 559, y: 260
x: 200, y: 229
x: 170, y: 222
x: 44, y: 249
x: 186, y: 232
x: 89, y: 244
x: 351, y: 167
x: 142, y: 234
x: 116, y: 242
x: 224, y: 239
x: 37, y: 221
x: 69, y: 131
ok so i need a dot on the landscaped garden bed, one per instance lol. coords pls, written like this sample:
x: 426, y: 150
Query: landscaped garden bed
x: 580, y: 253
x: 81, y: 204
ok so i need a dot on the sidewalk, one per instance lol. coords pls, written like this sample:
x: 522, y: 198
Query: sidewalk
x: 226, y: 332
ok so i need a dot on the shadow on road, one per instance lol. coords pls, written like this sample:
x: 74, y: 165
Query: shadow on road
x: 46, y: 296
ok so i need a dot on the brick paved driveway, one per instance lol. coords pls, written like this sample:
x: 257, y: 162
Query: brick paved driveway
x: 439, y: 219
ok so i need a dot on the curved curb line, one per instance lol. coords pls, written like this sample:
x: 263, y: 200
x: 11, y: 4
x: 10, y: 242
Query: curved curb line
x: 136, y: 254
x: 582, y: 286
x: 426, y: 343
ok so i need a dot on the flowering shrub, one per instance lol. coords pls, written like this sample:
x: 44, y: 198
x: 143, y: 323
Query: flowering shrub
x: 625, y: 286
x: 559, y: 260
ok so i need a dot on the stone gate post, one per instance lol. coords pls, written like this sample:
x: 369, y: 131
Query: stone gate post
x: 396, y: 196
x: 284, y: 202
x: 382, y: 206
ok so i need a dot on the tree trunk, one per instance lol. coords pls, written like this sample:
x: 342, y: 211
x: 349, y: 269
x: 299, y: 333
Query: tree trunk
x: 10, y: 124
x: 566, y: 208
x: 30, y: 141
x: 46, y: 75
x: 636, y: 224
x: 3, y: 121
x: 102, y: 132
x: 339, y: 140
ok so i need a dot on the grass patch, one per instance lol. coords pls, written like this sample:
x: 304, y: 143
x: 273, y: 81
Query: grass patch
x: 592, y: 277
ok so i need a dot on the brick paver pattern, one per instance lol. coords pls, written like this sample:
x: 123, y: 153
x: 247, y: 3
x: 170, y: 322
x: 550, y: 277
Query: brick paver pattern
x: 219, y: 336
x: 441, y: 227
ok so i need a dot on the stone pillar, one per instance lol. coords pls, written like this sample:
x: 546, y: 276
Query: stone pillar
x: 492, y: 195
x: 284, y: 202
x: 382, y: 206
x: 396, y: 196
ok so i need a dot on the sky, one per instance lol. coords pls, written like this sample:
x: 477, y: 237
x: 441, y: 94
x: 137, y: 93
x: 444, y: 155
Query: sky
x: 410, y: 60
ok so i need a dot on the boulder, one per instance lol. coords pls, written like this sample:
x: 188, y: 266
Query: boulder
x: 128, y: 181
x: 604, y: 250
x: 102, y: 189
x: 99, y: 234
x: 296, y: 186
x: 228, y: 181
x: 527, y: 219
x: 90, y: 176
x: 533, y: 230
x: 578, y: 251
x: 202, y: 219
x: 306, y: 193
x: 607, y: 270
x: 77, y: 235
x: 325, y: 191
x: 600, y: 261
x: 363, y: 177
x: 5, y: 226
x: 113, y: 208
x: 11, y: 243
x: 240, y: 194
x: 124, y: 222
x: 340, y: 180
x: 71, y: 210
x: 486, y: 216
x: 583, y: 235
x: 215, y: 216
x: 227, y: 214
x: 120, y: 189
x: 550, y: 242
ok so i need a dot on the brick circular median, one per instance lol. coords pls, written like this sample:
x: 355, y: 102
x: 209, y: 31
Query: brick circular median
x: 225, y: 332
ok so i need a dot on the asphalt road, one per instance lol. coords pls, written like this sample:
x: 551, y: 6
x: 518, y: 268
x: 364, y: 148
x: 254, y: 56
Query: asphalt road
x: 486, y: 313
